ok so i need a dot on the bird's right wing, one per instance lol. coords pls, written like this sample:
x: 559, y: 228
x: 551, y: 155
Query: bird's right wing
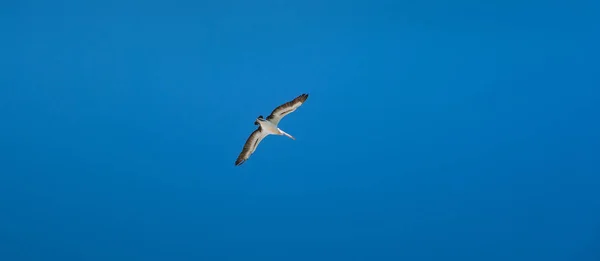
x: 286, y: 108
x: 250, y: 146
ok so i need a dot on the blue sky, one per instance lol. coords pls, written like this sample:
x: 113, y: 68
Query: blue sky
x: 434, y: 130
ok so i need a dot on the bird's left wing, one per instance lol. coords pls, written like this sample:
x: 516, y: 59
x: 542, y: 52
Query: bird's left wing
x: 250, y: 145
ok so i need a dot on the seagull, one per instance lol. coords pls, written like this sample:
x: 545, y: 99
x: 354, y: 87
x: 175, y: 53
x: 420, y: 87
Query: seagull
x: 269, y: 126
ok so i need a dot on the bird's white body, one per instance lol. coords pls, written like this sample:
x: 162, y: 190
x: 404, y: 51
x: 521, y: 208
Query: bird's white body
x: 271, y: 128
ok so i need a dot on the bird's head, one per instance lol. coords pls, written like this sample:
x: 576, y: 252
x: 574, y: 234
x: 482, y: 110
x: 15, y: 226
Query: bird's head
x: 260, y: 118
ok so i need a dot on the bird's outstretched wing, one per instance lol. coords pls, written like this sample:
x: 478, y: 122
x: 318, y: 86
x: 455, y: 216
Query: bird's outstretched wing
x: 286, y: 109
x: 250, y: 145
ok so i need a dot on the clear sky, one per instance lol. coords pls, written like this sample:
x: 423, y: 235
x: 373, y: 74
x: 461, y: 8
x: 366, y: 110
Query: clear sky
x: 434, y: 130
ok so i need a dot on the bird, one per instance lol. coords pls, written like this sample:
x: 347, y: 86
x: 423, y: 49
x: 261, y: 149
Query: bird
x: 269, y: 126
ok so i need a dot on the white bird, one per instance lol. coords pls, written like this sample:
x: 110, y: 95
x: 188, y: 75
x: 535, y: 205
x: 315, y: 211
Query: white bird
x: 269, y: 126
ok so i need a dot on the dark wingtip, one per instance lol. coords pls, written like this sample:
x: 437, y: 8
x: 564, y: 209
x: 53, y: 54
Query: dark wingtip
x: 304, y: 96
x: 239, y: 162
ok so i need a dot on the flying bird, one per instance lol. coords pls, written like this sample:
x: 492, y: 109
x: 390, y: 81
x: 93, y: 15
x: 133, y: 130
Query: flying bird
x: 269, y: 126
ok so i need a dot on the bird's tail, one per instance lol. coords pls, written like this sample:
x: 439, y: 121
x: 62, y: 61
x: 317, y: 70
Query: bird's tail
x: 289, y: 136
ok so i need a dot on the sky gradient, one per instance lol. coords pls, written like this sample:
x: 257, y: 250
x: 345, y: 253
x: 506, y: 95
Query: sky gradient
x: 434, y: 130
